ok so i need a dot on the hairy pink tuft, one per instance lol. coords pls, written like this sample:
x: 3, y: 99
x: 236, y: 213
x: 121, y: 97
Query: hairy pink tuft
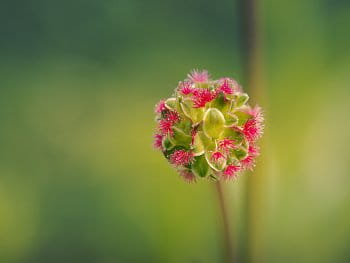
x: 253, y: 150
x: 256, y: 113
x: 248, y: 162
x: 201, y: 97
x: 172, y: 116
x: 216, y: 156
x: 188, y: 176
x: 165, y: 125
x: 185, y: 88
x: 181, y: 157
x: 198, y: 76
x: 252, y: 130
x: 225, y: 88
x: 231, y: 171
x: 160, y: 106
x: 226, y: 144
x: 158, y: 138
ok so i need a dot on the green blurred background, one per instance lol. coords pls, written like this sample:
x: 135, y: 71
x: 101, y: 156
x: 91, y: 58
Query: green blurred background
x: 79, y: 180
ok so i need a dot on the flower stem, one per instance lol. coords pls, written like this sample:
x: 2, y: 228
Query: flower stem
x: 226, y: 223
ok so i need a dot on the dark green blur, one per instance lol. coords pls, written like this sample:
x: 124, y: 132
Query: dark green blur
x: 79, y: 180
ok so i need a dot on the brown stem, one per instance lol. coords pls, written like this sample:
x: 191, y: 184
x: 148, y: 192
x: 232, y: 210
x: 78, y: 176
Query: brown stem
x: 252, y: 55
x: 226, y: 223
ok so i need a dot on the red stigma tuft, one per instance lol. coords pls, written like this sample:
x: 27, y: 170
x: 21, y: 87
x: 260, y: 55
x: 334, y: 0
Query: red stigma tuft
x: 216, y: 156
x: 188, y: 176
x: 185, y: 88
x: 231, y: 171
x: 158, y: 138
x: 160, y: 106
x: 201, y: 97
x: 198, y: 76
x: 225, y: 88
x: 226, y: 144
x: 181, y: 157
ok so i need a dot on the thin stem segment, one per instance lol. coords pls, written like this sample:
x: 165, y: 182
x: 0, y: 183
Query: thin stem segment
x: 226, y: 223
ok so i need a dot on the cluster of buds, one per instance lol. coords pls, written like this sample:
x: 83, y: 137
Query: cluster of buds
x: 207, y: 129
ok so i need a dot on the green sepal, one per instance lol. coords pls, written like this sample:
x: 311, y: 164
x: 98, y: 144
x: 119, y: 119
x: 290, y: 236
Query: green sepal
x: 207, y: 142
x: 195, y: 114
x: 233, y: 134
x: 200, y: 166
x: 221, y: 103
x: 198, y: 144
x: 185, y: 125
x: 231, y: 119
x: 241, y: 99
x: 167, y: 144
x: 240, y: 153
x: 180, y: 138
x: 213, y: 123
x: 170, y: 104
x: 242, y: 117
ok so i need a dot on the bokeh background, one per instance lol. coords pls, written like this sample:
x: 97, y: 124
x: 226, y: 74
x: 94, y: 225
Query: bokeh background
x: 79, y: 180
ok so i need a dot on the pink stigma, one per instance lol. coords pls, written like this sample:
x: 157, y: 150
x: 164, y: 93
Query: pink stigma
x: 199, y: 76
x: 185, y: 88
x: 248, y: 162
x: 231, y: 171
x: 253, y: 150
x: 252, y: 130
x: 160, y: 106
x: 256, y: 113
x: 158, y: 138
x: 201, y: 97
x: 181, y: 157
x: 226, y: 144
x: 216, y: 156
x: 172, y: 117
x: 165, y: 127
x: 225, y: 88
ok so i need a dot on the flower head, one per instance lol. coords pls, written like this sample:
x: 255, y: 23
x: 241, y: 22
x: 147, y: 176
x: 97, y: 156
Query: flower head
x: 208, y: 129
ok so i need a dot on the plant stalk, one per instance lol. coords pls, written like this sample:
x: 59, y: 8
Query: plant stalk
x: 229, y: 248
